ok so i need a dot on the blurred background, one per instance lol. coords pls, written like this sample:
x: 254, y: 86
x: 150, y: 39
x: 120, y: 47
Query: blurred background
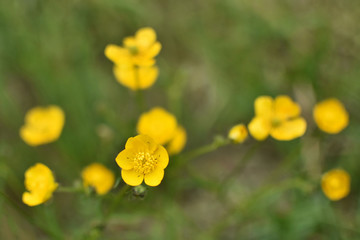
x: 217, y: 57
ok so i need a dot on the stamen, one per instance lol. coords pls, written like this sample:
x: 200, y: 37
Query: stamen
x: 144, y: 163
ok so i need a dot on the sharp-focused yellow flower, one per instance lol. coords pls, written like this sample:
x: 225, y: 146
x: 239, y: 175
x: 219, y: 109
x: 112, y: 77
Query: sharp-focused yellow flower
x: 134, y: 62
x: 336, y: 184
x: 238, y: 133
x: 139, y: 50
x: 99, y: 177
x: 142, y: 159
x: 40, y: 183
x: 135, y: 77
x: 177, y: 143
x: 42, y: 125
x: 279, y: 118
x: 331, y: 116
x: 157, y: 124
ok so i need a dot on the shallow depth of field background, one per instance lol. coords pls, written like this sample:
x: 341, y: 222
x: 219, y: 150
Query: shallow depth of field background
x: 217, y: 57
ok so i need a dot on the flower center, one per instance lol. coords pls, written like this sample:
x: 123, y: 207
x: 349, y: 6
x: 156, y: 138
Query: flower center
x: 275, y: 122
x: 144, y: 163
x: 133, y: 50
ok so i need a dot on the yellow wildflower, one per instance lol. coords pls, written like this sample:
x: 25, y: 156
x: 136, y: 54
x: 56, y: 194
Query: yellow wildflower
x: 42, y: 125
x: 177, y: 143
x: 40, y: 183
x: 331, y: 116
x: 238, y: 133
x: 279, y: 118
x: 139, y: 50
x: 99, y: 177
x: 142, y: 159
x: 136, y: 78
x: 336, y: 184
x: 157, y: 124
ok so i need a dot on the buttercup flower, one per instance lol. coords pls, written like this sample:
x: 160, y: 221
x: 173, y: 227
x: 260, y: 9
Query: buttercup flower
x: 40, y: 183
x: 279, y: 118
x: 134, y: 62
x: 177, y: 143
x: 238, y: 133
x: 42, y: 125
x: 331, y: 116
x: 336, y: 184
x: 139, y: 50
x: 157, y: 124
x: 99, y: 177
x: 142, y: 159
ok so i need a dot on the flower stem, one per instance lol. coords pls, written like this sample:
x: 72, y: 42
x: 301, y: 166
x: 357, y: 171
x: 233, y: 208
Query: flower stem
x: 115, y: 202
x: 69, y: 189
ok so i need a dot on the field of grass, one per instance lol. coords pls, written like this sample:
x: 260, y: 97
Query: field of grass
x: 217, y: 57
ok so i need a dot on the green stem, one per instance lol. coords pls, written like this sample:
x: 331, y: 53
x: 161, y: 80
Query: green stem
x: 115, y: 202
x: 69, y: 189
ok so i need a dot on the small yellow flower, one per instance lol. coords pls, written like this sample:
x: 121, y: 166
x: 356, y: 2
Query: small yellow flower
x: 42, y: 125
x: 142, y: 159
x: 157, y: 124
x: 40, y: 183
x: 279, y: 118
x: 135, y: 77
x: 331, y: 116
x: 139, y: 50
x: 99, y: 177
x: 177, y: 143
x: 238, y: 133
x: 336, y: 184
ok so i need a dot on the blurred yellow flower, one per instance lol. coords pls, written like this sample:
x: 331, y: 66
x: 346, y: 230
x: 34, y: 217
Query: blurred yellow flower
x: 139, y: 50
x: 142, y: 159
x: 177, y: 143
x: 134, y: 62
x: 40, y: 183
x: 99, y: 177
x: 157, y: 124
x: 336, y: 184
x: 136, y: 78
x: 238, y: 133
x: 42, y: 125
x: 279, y: 118
x: 331, y: 116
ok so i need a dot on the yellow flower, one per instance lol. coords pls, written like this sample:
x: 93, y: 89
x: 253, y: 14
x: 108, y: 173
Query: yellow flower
x: 331, y: 116
x: 336, y: 184
x: 139, y: 50
x: 238, y: 133
x: 142, y: 159
x: 42, y: 125
x: 99, y: 177
x: 279, y: 118
x: 40, y: 183
x: 157, y: 124
x: 177, y: 143
x: 136, y: 78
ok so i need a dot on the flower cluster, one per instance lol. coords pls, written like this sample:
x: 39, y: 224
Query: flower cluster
x: 134, y: 62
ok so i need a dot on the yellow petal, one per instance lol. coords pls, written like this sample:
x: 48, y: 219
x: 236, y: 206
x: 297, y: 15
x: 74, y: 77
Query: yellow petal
x: 136, y: 78
x: 145, y: 37
x: 285, y: 108
x: 289, y: 130
x: 177, y: 143
x: 147, y: 76
x: 125, y: 159
x: 259, y: 128
x: 162, y: 157
x: 155, y: 177
x: 129, y: 42
x: 117, y: 55
x: 153, y: 50
x: 264, y: 107
x: 336, y: 184
x: 131, y: 177
x: 32, y: 199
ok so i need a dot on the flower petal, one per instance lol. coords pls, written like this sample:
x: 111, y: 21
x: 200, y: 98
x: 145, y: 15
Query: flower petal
x: 125, y: 159
x: 155, y: 177
x: 32, y: 199
x: 286, y: 108
x: 259, y: 128
x: 162, y: 156
x: 131, y: 177
x: 147, y: 76
x: 264, y: 107
x: 289, y: 130
x: 118, y: 55
x: 153, y: 50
